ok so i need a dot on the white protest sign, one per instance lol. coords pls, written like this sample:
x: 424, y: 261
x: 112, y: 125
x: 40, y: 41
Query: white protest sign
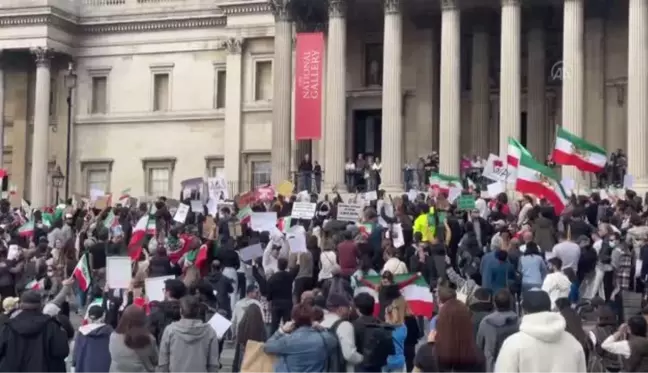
x: 95, y: 194
x: 263, y: 221
x: 412, y: 194
x: 349, y: 211
x: 220, y: 325
x: 495, y: 189
x: 118, y: 272
x: 154, y: 287
x: 628, y: 181
x: 296, y: 237
x: 454, y: 193
x: 303, y: 210
x: 251, y: 252
x: 217, y: 188
x: 181, y: 214
x: 371, y: 196
x: 397, y: 236
x: 495, y: 168
x: 212, y: 207
x: 197, y: 207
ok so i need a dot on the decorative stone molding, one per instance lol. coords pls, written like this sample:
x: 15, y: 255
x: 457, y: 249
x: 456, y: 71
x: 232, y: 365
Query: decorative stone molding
x: 173, y: 24
x: 392, y: 6
x: 234, y: 45
x: 449, y: 4
x: 280, y: 9
x: 337, y: 8
x: 43, y: 56
x: 237, y: 8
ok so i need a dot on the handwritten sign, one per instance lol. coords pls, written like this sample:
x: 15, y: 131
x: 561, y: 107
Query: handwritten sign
x: 495, y: 168
x: 349, y: 211
x: 303, y: 210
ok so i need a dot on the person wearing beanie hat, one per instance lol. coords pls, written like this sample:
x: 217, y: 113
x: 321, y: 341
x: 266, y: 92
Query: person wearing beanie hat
x: 91, y: 352
x: 24, y: 334
x: 542, y: 344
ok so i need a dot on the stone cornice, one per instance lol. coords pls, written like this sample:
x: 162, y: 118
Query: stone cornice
x: 239, y: 7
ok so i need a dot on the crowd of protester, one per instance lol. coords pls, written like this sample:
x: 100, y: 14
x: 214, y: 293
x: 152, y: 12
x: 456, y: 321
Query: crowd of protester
x: 514, y: 285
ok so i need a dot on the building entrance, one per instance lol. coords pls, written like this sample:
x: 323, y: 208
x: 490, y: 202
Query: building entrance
x: 367, y: 132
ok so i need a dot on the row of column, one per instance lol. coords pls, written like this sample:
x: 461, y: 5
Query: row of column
x: 40, y: 138
x: 450, y: 89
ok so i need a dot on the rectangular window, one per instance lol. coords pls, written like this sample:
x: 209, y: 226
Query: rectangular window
x: 217, y: 171
x: 97, y: 180
x: 158, y: 181
x: 221, y: 88
x: 99, y: 97
x: 261, y: 171
x: 161, y: 92
x: 263, y: 81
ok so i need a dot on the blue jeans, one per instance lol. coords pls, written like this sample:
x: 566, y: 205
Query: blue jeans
x: 80, y: 296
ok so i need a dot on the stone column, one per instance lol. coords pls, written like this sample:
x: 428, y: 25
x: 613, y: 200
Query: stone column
x: 2, y: 111
x: 594, y: 50
x: 40, y: 142
x: 426, y: 83
x: 480, y: 90
x: 450, y: 97
x: 282, y: 92
x: 510, y: 75
x: 638, y: 93
x: 335, y: 126
x: 233, y: 101
x: 536, y: 89
x: 392, y: 99
x: 572, y: 87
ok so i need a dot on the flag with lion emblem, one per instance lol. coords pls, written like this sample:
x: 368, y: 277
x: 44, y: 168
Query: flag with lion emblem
x: 540, y: 180
x: 572, y: 150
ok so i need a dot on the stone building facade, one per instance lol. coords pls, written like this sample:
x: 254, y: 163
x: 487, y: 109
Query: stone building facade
x: 175, y: 89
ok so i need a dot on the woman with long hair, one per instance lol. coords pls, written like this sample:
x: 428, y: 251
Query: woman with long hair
x: 132, y: 347
x: 395, y: 316
x: 251, y: 328
x: 532, y: 267
x: 574, y: 324
x: 451, y: 346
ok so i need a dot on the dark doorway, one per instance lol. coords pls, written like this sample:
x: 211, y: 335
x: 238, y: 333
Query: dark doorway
x: 523, y: 129
x: 367, y: 132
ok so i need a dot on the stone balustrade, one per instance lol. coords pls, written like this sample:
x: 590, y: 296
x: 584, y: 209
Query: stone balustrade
x: 92, y: 8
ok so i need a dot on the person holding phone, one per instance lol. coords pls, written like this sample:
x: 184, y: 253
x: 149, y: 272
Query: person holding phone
x: 630, y: 342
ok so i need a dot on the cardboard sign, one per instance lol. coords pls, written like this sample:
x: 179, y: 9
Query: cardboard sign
x: 181, y: 214
x: 349, y: 211
x: 210, y: 229
x: 496, y: 168
x: 303, y: 210
x: 102, y: 202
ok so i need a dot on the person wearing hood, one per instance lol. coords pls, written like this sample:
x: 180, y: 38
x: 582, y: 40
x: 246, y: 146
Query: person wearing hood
x: 556, y: 284
x: 189, y: 345
x: 31, y: 341
x: 480, y: 305
x: 165, y: 312
x: 496, y: 327
x: 91, y: 351
x: 542, y: 344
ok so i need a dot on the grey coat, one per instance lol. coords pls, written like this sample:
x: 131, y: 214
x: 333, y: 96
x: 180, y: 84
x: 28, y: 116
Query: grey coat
x: 125, y: 359
x: 189, y: 346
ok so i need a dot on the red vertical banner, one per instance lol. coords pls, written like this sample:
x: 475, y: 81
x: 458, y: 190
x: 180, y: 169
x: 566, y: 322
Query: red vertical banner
x: 308, y: 95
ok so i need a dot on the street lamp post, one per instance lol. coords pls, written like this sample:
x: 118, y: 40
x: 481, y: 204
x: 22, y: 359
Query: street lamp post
x: 57, y: 181
x: 70, y: 84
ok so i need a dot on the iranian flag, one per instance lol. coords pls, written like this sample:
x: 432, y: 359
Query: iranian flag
x: 445, y: 182
x: 35, y: 285
x: 413, y: 287
x: 515, y: 151
x: 540, y: 180
x: 137, y: 238
x: 124, y: 196
x: 82, y: 273
x: 572, y: 150
x: 27, y: 229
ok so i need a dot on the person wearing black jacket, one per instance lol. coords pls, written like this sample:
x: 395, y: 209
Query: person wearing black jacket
x: 279, y: 294
x: 364, y: 305
x: 160, y: 264
x: 223, y: 286
x: 31, y: 341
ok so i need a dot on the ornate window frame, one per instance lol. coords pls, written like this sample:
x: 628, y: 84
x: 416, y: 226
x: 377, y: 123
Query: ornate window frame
x: 150, y: 163
x: 101, y: 165
x: 165, y: 68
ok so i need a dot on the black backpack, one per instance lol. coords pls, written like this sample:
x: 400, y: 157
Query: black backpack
x: 335, y: 361
x: 377, y: 345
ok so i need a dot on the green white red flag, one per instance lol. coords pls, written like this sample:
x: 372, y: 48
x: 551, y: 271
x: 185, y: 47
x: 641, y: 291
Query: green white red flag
x: 137, y: 237
x: 571, y: 150
x: 540, y: 180
x: 444, y: 182
x: 413, y: 287
x: 515, y: 151
x: 27, y: 229
x: 82, y: 273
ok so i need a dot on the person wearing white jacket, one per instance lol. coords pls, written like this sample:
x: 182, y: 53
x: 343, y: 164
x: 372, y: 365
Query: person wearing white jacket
x: 542, y: 344
x: 556, y: 284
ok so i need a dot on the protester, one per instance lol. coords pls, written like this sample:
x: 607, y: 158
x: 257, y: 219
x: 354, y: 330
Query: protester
x: 496, y: 327
x: 542, y: 334
x: 629, y: 341
x: 132, y: 348
x: 31, y: 341
x: 189, y: 344
x: 91, y: 346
